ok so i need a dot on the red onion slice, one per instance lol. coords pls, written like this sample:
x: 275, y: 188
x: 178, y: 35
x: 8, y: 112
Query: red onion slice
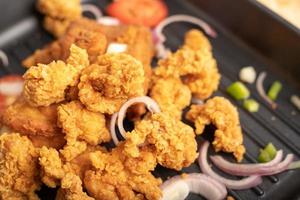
x: 150, y: 104
x: 174, y: 189
x: 112, y: 128
x: 4, y: 58
x: 294, y: 165
x: 178, y: 187
x: 162, y: 51
x: 206, y: 186
x: 260, y: 88
x: 92, y: 9
x: 197, y: 101
x: 276, y: 169
x: 241, y: 184
x: 244, y: 169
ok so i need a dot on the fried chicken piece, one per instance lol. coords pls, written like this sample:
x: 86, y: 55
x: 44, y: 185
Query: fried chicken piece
x: 28, y: 120
x: 80, y: 124
x: 105, y: 86
x: 71, y: 189
x: 94, y: 42
x: 38, y: 123
x: 171, y: 95
x: 62, y: 9
x: 196, y: 40
x: 59, y: 14
x: 173, y: 141
x: 112, y: 179
x: 224, y: 116
x: 140, y: 46
x: 19, y: 175
x: 194, y: 64
x: 54, y: 167
x: 46, y: 84
x: 57, y: 27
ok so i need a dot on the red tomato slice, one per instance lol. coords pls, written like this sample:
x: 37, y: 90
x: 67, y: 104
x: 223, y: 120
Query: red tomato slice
x: 139, y: 12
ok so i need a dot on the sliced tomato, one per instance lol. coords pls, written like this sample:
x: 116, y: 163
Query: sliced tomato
x: 11, y: 85
x: 139, y: 12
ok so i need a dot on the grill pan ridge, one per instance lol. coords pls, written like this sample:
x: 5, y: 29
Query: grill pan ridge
x: 232, y: 51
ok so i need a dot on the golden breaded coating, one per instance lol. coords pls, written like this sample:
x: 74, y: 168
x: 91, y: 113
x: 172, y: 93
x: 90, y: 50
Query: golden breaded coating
x: 59, y: 14
x: 19, y: 175
x: 111, y: 178
x: 171, y: 95
x: 196, y: 40
x: 46, y: 84
x: 194, y: 64
x: 51, y: 166
x: 140, y: 46
x: 57, y: 27
x: 80, y: 124
x: 105, y: 86
x: 221, y: 113
x: 94, y: 42
x: 62, y: 9
x: 71, y: 189
x: 54, y: 168
x: 173, y: 141
x: 28, y: 120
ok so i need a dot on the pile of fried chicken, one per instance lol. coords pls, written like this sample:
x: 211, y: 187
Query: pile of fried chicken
x: 54, y: 133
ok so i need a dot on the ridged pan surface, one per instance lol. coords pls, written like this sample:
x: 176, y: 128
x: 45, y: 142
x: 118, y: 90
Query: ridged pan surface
x: 280, y: 126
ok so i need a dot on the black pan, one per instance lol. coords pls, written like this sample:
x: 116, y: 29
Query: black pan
x: 248, y: 34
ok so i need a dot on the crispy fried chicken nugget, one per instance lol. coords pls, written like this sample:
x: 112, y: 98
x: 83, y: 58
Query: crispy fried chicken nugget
x: 173, y: 141
x: 19, y: 174
x: 194, y: 64
x: 80, y: 124
x: 38, y: 123
x: 196, y: 40
x: 112, y: 179
x: 62, y: 9
x: 28, y: 120
x: 46, y: 84
x: 94, y: 42
x: 54, y: 167
x: 59, y: 14
x: 57, y: 27
x: 171, y: 95
x: 105, y: 86
x: 221, y: 113
x: 71, y: 189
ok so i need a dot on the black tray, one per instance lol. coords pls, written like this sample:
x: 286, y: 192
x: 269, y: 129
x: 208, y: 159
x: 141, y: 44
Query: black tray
x: 248, y: 34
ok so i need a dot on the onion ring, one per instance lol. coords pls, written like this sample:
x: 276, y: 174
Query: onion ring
x: 260, y: 88
x: 197, y: 183
x: 112, y: 128
x: 160, y: 48
x: 92, y: 9
x: 4, y: 59
x: 241, y: 184
x: 244, y: 169
x: 197, y: 101
x: 151, y: 105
